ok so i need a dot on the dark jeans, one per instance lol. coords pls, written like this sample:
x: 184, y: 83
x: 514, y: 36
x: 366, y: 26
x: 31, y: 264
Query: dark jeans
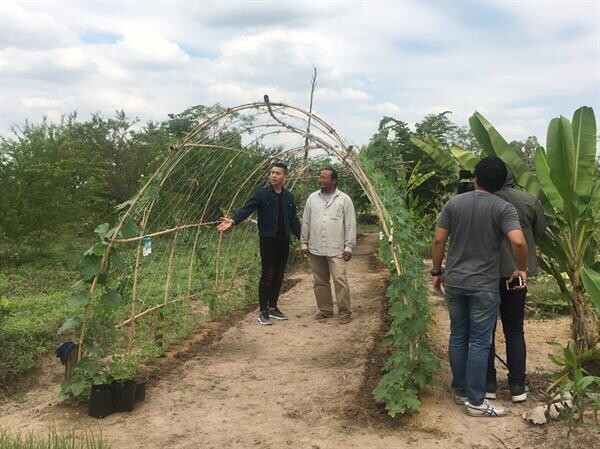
x: 273, y: 258
x: 512, y: 313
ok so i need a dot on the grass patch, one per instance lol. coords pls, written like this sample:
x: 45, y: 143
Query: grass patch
x: 53, y: 440
x: 544, y: 298
x: 35, y: 289
x: 33, y: 304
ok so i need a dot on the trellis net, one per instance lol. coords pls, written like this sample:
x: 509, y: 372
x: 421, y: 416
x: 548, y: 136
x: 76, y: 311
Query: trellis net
x: 164, y: 268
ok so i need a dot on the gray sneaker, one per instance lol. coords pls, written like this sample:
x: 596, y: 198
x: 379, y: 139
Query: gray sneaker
x: 263, y: 318
x: 486, y: 409
x: 274, y: 312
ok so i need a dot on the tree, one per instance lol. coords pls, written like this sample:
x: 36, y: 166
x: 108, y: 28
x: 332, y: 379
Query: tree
x: 527, y: 150
x: 43, y: 182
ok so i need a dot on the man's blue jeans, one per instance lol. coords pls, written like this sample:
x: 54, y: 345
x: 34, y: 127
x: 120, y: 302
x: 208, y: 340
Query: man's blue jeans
x: 472, y: 318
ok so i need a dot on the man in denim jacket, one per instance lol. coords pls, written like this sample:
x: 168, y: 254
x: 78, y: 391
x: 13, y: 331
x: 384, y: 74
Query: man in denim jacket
x: 277, y: 220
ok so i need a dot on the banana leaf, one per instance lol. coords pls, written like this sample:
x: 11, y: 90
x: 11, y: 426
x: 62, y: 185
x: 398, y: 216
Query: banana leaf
x: 591, y: 282
x: 543, y: 175
x: 464, y: 157
x: 432, y: 147
x: 584, y: 136
x: 494, y: 145
x: 560, y: 155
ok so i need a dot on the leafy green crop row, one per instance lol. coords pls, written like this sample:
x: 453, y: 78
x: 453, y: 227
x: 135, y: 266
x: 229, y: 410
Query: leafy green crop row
x: 412, y: 363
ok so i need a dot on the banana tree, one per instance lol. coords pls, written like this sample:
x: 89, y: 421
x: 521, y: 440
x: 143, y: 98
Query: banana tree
x: 415, y: 180
x: 566, y: 182
x: 454, y: 160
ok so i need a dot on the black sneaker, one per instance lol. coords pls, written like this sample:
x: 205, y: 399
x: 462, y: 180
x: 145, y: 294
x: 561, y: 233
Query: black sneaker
x: 274, y: 312
x: 518, y: 392
x: 263, y: 318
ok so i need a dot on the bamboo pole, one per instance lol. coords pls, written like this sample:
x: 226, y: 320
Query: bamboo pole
x: 316, y: 135
x: 162, y: 319
x: 146, y: 312
x: 166, y: 231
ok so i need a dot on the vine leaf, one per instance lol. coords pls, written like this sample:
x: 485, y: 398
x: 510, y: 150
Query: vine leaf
x: 130, y: 229
x: 102, y: 230
x: 96, y: 249
x: 111, y: 298
x: 69, y: 324
x: 89, y: 266
x: 79, y: 299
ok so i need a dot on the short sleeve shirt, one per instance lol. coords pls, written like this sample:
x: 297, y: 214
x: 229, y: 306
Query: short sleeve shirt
x: 477, y: 222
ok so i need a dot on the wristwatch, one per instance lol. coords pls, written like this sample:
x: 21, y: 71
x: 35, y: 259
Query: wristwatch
x: 437, y: 273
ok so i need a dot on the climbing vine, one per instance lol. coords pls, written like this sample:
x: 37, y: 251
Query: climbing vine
x: 412, y: 363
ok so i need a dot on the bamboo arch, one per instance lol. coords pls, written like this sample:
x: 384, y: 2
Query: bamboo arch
x: 177, y: 207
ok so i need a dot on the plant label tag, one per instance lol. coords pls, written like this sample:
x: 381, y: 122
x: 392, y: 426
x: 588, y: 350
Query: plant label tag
x: 147, y: 246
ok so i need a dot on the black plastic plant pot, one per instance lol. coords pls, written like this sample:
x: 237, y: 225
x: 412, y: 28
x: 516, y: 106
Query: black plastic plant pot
x: 101, y: 401
x: 123, y: 395
x: 140, y: 390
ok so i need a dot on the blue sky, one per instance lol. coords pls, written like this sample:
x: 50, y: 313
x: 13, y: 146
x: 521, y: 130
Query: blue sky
x: 518, y: 63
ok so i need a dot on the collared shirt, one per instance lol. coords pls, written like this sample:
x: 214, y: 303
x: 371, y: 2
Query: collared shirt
x: 328, y: 224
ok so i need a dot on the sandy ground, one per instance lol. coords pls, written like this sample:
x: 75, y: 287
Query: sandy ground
x: 301, y: 384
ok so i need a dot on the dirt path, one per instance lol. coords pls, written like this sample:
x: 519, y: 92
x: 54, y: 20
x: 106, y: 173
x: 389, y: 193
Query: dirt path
x: 297, y: 384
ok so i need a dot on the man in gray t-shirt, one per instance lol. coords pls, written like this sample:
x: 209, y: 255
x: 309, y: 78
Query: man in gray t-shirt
x: 476, y: 223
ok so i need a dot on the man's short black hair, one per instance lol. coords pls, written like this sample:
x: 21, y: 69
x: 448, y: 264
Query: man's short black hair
x: 280, y: 165
x: 490, y: 173
x: 334, y: 173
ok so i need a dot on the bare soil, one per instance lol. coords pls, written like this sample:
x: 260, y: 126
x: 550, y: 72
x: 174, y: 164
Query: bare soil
x: 302, y: 384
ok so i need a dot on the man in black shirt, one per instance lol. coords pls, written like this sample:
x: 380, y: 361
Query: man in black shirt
x: 277, y: 220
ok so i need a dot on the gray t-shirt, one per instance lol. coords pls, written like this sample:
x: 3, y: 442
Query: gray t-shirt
x: 477, y: 222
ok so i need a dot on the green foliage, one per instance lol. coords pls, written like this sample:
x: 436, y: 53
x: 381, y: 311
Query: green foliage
x: 412, y: 363
x: 56, y: 177
x: 33, y: 304
x: 53, y: 440
x: 591, y: 281
x: 433, y: 147
x: 544, y: 298
x: 574, y: 380
x: 402, y: 155
x: 493, y: 144
x: 94, y: 369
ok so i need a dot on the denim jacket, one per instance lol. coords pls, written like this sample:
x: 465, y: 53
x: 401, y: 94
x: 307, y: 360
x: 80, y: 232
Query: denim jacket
x: 265, y: 203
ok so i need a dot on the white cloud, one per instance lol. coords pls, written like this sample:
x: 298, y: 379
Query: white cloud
x: 345, y: 94
x: 27, y: 28
x: 42, y: 103
x: 149, y: 48
x: 519, y: 63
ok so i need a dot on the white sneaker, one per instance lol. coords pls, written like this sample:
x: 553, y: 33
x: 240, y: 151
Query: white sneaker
x: 519, y: 392
x: 460, y: 400
x: 485, y: 409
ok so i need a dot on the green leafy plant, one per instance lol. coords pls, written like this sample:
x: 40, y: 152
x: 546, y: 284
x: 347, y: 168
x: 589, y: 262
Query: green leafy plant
x: 411, y: 364
x: 591, y: 282
x: 575, y: 382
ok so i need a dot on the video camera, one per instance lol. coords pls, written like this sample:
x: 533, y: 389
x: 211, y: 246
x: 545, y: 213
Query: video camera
x: 466, y: 182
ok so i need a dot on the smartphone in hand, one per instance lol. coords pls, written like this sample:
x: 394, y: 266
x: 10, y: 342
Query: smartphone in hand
x: 516, y: 282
